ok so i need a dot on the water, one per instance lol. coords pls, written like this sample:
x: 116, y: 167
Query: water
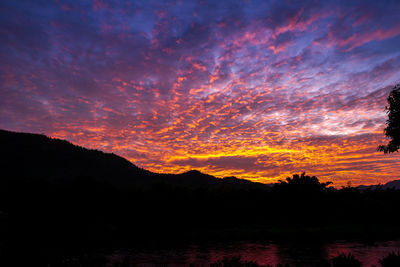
x: 297, y: 254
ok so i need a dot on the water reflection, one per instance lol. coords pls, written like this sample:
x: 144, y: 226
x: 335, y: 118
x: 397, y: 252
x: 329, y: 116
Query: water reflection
x: 311, y: 254
x: 295, y: 254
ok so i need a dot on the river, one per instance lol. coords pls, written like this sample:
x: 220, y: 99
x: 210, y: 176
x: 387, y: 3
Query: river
x: 273, y: 253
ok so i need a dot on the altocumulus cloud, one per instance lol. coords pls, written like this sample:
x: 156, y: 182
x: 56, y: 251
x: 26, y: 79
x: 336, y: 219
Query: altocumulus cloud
x: 249, y: 88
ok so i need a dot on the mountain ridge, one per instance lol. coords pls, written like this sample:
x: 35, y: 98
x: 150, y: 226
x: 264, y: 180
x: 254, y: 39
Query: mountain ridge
x: 54, y: 160
x: 36, y: 155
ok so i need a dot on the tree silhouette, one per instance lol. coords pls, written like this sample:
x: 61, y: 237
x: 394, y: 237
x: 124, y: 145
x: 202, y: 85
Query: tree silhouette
x: 392, y: 129
x: 303, y: 181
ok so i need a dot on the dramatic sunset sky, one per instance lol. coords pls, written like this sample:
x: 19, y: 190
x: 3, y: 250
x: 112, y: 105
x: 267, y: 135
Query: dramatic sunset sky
x: 255, y: 89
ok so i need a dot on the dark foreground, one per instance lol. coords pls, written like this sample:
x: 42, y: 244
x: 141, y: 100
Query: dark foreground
x: 42, y: 222
x: 224, y: 254
x: 57, y: 199
x: 299, y: 253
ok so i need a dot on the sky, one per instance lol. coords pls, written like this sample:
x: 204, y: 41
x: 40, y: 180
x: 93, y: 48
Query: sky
x: 256, y: 89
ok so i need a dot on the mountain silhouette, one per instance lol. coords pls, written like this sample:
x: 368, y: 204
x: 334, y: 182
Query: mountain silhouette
x: 395, y: 184
x: 38, y: 156
x: 31, y: 155
x: 392, y: 184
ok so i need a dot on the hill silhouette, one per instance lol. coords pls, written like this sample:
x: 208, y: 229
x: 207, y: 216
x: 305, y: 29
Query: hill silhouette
x: 395, y: 184
x: 392, y: 184
x: 34, y: 155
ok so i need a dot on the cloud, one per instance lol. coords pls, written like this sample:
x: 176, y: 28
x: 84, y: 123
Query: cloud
x: 254, y: 89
